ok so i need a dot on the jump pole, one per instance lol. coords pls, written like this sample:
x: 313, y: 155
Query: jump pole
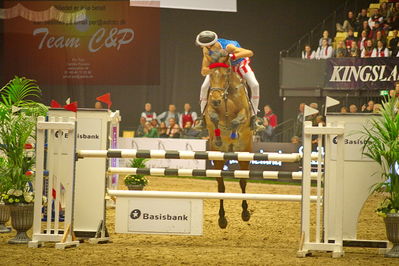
x: 205, y: 195
x: 208, y: 173
x: 192, y: 155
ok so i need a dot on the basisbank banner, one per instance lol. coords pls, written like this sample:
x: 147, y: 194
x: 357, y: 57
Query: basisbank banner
x: 361, y: 73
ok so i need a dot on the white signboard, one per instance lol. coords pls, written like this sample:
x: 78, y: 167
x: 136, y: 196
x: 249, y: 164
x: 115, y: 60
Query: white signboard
x: 159, y: 216
x: 89, y: 134
x: 206, y: 5
x: 353, y: 144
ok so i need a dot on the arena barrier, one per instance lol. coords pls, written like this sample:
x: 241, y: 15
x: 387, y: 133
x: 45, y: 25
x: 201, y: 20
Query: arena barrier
x: 306, y: 198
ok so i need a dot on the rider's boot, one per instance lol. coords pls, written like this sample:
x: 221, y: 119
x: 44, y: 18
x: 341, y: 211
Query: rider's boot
x: 255, y: 125
x: 201, y: 123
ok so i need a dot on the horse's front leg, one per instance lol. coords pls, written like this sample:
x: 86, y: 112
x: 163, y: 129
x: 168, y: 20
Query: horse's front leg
x: 215, y: 120
x: 236, y: 122
x: 245, y: 214
x: 221, y: 189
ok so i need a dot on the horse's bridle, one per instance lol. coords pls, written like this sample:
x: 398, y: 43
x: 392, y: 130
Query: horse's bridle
x: 225, y: 90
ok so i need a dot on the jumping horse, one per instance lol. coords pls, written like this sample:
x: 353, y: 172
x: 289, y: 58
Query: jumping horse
x: 227, y: 117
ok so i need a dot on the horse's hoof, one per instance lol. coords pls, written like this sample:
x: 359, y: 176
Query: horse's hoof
x: 245, y: 215
x: 222, y: 222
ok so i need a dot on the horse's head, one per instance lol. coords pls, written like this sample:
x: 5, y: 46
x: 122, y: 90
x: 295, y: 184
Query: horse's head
x: 219, y: 80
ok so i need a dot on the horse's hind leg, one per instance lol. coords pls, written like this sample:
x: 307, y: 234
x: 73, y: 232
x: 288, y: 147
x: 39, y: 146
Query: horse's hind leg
x: 221, y: 189
x: 245, y: 214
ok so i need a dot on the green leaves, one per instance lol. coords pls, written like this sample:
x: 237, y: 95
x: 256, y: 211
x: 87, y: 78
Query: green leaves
x: 18, y: 115
x: 382, y: 146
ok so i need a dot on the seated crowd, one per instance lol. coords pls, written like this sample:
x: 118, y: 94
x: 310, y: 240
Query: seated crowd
x: 364, y: 36
x: 172, y: 124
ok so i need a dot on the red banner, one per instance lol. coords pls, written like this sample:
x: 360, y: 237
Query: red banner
x: 115, y: 45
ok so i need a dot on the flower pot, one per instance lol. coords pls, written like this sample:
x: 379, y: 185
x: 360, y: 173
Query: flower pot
x: 4, y: 217
x: 392, y: 228
x: 21, y: 221
x: 135, y: 187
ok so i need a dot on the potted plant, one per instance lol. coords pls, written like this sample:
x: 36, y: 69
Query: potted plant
x: 18, y: 114
x: 4, y: 209
x: 136, y: 182
x: 382, y: 146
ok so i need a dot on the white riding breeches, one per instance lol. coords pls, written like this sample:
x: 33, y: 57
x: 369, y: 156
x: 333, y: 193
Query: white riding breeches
x: 245, y: 71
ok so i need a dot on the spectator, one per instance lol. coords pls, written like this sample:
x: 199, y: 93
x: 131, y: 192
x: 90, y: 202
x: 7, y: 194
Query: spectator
x: 384, y: 11
x: 173, y: 130
x: 349, y: 23
x: 394, y: 21
x: 349, y: 39
x: 295, y: 140
x: 266, y: 134
x: 368, y: 50
x: 375, y: 17
x: 98, y: 105
x: 325, y: 36
x: 362, y: 41
x: 374, y: 30
x: 377, y: 108
x: 140, y: 129
x: 354, y: 51
x: 343, y: 110
x: 324, y: 51
x: 154, y: 123
x: 162, y: 130
x: 320, y: 120
x: 204, y: 134
x: 352, y: 108
x: 187, y: 116
x: 308, y: 53
x: 341, y: 50
x: 189, y: 132
x: 366, y: 28
x: 379, y: 37
x: 150, y: 131
x: 171, y: 113
x: 380, y: 50
x: 393, y: 43
x: 270, y: 116
x: 299, y: 120
x: 369, y: 108
x: 361, y: 17
x: 148, y: 114
x: 313, y: 117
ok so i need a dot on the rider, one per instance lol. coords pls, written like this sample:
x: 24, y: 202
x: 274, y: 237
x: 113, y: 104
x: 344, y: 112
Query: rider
x: 211, y: 44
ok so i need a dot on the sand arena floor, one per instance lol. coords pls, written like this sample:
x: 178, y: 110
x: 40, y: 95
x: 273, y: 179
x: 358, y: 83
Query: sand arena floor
x: 271, y: 237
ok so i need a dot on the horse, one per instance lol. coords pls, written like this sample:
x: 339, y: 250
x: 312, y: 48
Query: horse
x: 227, y: 117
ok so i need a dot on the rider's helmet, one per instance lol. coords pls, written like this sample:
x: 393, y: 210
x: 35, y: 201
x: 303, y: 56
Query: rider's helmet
x: 206, y: 38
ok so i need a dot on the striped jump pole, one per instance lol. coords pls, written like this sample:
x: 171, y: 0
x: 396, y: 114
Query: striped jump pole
x: 208, y: 173
x: 196, y: 155
x: 205, y: 195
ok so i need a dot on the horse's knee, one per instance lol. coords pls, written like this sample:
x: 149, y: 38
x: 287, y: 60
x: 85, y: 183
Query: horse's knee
x: 214, y: 118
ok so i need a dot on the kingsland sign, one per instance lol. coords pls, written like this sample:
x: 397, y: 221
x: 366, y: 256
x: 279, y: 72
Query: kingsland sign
x: 365, y: 73
x: 362, y: 73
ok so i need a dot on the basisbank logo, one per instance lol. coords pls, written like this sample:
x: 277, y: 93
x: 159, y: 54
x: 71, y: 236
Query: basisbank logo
x: 136, y: 214
x: 350, y: 141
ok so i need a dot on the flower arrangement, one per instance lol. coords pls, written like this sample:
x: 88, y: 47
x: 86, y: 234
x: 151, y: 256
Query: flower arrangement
x: 138, y: 180
x: 15, y: 196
